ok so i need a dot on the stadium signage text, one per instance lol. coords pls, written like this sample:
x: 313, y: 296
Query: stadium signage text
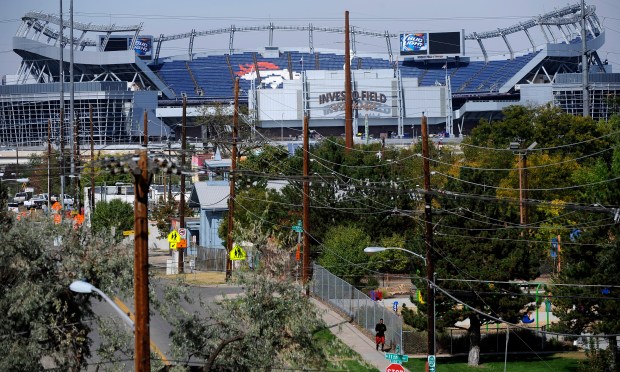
x: 364, y: 100
x: 364, y: 96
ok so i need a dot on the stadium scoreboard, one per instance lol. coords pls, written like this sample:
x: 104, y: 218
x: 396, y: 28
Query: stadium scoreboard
x: 432, y: 45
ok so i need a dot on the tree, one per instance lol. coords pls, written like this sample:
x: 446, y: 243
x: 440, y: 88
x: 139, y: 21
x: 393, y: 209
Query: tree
x: 6, y: 220
x: 481, y: 236
x: 217, y: 126
x: 115, y: 214
x: 270, y: 326
x: 590, y: 257
x: 343, y: 253
x: 42, y: 324
x: 163, y: 214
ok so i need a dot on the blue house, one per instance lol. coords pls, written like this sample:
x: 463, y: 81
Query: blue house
x: 211, y: 197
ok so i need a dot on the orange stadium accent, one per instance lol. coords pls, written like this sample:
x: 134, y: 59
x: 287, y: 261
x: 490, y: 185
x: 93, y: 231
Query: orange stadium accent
x: 249, y: 67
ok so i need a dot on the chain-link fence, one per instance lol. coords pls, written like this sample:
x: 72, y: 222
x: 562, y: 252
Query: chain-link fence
x: 356, y: 304
x: 456, y: 341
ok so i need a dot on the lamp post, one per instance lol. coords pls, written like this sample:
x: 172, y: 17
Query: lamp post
x: 80, y: 286
x: 19, y: 180
x: 371, y: 250
x: 431, y: 335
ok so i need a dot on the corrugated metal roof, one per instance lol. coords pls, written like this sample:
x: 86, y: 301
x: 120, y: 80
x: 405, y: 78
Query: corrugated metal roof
x: 210, y: 196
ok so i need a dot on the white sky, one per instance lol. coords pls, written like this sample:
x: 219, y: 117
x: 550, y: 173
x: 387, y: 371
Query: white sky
x: 172, y: 17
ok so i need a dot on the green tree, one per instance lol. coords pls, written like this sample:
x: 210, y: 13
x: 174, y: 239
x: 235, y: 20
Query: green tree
x: 343, y: 253
x: 590, y: 258
x: 42, y: 324
x: 6, y: 220
x: 115, y: 214
x: 481, y: 237
x: 271, y: 325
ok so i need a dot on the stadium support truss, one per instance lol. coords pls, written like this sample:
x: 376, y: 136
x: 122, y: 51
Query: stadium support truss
x: 121, y: 83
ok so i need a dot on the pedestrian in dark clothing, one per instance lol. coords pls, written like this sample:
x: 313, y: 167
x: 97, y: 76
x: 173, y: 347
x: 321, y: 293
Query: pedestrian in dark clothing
x: 380, y: 328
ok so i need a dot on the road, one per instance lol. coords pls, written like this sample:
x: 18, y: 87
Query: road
x: 159, y: 327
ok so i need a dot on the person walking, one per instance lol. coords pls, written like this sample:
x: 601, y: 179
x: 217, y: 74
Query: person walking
x: 380, y: 329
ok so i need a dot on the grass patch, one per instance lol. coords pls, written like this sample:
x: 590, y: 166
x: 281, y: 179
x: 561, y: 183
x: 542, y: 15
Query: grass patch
x: 197, y: 278
x: 566, y: 362
x: 340, y: 357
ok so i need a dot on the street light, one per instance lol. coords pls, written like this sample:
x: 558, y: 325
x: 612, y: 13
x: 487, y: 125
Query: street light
x: 371, y: 250
x: 80, y: 286
x: 19, y: 180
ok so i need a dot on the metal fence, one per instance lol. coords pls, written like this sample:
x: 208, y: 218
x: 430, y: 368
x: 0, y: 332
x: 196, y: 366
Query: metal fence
x: 362, y: 309
x: 456, y: 341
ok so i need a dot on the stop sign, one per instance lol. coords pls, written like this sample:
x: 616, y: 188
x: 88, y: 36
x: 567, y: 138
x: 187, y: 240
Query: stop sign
x: 394, y: 368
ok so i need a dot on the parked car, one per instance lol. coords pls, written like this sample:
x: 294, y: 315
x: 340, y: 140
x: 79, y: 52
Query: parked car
x: 36, y: 202
x: 21, y: 197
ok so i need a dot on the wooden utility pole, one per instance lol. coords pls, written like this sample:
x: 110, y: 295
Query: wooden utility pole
x: 49, y: 159
x: 231, y: 180
x: 182, y: 202
x: 428, y: 240
x: 306, y: 203
x: 92, y: 162
x: 142, y: 361
x: 61, y: 199
x: 522, y: 189
x: 348, y: 100
x: 77, y: 171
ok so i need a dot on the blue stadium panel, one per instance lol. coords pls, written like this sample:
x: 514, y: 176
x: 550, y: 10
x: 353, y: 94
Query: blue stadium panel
x: 213, y: 80
x: 176, y: 77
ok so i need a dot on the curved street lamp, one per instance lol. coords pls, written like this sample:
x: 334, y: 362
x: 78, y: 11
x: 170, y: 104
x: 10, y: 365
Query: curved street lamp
x: 371, y: 250
x: 80, y: 286
x: 19, y: 180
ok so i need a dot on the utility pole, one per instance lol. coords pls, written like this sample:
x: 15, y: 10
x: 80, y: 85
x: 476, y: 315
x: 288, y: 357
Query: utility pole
x: 92, y: 162
x: 522, y: 189
x: 61, y: 69
x: 142, y: 181
x: 523, y: 183
x: 231, y: 180
x: 428, y: 240
x: 584, y: 62
x: 306, y: 203
x: 61, y: 199
x: 169, y: 178
x: 348, y: 100
x: 71, y: 98
x: 77, y: 165
x: 182, y: 203
x: 49, y: 158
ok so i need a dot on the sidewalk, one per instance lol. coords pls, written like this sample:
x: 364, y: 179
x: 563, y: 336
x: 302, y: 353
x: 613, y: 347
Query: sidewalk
x: 351, y: 336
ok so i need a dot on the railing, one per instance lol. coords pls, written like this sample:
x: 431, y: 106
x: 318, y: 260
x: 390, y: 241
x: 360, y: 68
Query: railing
x: 362, y: 309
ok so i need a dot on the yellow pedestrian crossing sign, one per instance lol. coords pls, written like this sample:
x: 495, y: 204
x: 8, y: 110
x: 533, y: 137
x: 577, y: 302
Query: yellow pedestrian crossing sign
x: 174, y: 237
x: 237, y: 253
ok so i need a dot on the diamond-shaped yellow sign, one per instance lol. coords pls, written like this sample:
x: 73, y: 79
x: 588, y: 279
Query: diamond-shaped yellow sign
x: 174, y: 237
x: 237, y: 253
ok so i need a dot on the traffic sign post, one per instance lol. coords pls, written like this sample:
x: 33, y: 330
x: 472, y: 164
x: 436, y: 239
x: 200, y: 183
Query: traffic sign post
x: 394, y: 368
x: 432, y: 363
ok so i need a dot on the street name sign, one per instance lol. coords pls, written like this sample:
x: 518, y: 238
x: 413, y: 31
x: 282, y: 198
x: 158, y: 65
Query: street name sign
x: 396, y: 358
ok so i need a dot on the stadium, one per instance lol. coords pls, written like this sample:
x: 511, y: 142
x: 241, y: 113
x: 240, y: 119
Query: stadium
x: 117, y: 74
